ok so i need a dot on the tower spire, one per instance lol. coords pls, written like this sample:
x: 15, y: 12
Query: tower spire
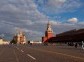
x: 49, y: 29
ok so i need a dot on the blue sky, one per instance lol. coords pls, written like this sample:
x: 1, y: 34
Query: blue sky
x: 75, y: 10
x: 32, y: 16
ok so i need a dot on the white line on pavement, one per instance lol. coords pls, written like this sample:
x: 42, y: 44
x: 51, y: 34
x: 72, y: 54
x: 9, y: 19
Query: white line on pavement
x: 17, y: 48
x: 22, y: 51
x: 31, y: 56
x: 59, y: 53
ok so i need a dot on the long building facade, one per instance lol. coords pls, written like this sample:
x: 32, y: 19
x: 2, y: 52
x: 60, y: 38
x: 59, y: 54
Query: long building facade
x: 68, y: 36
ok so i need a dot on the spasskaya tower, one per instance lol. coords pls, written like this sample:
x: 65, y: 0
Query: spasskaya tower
x: 48, y: 33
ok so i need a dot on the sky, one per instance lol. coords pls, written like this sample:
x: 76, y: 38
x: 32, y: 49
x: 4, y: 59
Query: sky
x: 32, y: 16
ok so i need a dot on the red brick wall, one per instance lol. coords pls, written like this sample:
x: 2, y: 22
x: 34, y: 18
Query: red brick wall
x: 45, y: 38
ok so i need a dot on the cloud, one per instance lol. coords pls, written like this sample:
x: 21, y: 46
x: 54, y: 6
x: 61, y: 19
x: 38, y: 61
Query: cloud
x: 73, y: 20
x: 21, y: 14
x: 57, y: 6
x: 24, y: 14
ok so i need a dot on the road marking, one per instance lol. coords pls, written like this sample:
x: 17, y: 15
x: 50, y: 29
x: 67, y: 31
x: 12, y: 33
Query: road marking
x: 16, y: 56
x: 17, y: 48
x: 59, y: 53
x: 67, y: 55
x: 22, y: 51
x: 31, y: 56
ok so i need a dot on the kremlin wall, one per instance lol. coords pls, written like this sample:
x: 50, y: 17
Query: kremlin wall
x: 75, y: 35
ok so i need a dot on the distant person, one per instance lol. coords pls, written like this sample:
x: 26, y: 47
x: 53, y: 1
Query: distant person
x: 82, y: 45
x: 76, y: 45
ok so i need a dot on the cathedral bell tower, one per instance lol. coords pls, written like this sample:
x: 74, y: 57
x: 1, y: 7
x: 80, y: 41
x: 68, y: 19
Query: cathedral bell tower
x: 48, y: 33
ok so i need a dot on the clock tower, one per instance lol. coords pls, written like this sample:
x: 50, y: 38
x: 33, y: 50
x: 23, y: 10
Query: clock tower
x: 48, y: 33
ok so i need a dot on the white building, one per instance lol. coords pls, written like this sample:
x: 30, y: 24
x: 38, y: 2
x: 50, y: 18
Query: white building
x: 36, y: 42
x: 20, y: 38
x: 2, y: 42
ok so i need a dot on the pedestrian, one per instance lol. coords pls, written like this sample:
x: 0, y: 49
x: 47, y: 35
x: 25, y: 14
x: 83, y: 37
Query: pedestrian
x: 76, y: 45
x: 82, y: 45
